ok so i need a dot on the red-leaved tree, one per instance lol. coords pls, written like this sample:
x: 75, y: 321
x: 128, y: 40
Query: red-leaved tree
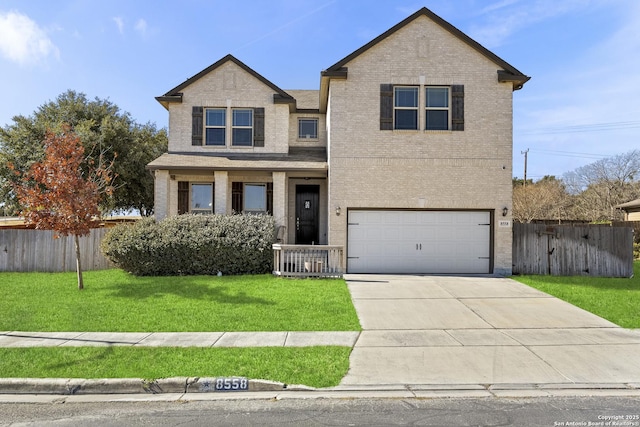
x: 62, y: 192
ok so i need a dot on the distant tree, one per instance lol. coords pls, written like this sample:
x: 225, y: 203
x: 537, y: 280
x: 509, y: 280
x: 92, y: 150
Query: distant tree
x: 104, y: 131
x: 544, y: 199
x: 62, y: 192
x: 520, y: 182
x: 598, y: 187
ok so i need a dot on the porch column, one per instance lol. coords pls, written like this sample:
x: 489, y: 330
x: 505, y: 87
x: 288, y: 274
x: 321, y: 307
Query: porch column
x: 161, y: 194
x: 222, y: 185
x: 280, y: 198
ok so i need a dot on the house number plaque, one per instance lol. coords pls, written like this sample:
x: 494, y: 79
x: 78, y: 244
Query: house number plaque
x: 231, y: 384
x: 307, y: 204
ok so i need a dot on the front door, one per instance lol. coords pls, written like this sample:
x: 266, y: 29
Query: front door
x: 307, y: 211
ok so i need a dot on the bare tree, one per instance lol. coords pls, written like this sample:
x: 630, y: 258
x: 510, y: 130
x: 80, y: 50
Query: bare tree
x: 544, y: 199
x: 598, y: 187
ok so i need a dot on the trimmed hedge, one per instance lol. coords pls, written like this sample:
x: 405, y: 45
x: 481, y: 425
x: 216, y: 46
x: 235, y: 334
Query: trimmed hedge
x: 193, y: 244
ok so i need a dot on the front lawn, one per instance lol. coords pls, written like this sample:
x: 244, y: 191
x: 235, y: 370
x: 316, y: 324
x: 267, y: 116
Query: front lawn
x: 312, y: 366
x: 617, y: 300
x: 114, y: 301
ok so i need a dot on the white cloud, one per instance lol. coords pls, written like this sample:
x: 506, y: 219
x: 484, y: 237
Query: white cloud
x: 496, y: 6
x: 119, y: 23
x: 506, y: 17
x: 141, y: 27
x: 23, y: 41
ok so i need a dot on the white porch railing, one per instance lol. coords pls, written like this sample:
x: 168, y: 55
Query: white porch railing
x: 307, y: 260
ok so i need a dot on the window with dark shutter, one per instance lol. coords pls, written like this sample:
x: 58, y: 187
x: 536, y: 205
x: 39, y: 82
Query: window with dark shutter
x: 183, y: 197
x: 196, y: 125
x: 457, y: 107
x: 386, y: 106
x: 236, y: 197
x: 258, y: 127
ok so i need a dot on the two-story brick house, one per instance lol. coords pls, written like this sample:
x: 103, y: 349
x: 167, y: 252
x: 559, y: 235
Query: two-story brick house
x: 403, y: 156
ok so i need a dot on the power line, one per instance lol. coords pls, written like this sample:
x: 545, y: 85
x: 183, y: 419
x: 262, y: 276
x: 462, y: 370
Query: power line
x: 593, y: 127
x: 571, y: 154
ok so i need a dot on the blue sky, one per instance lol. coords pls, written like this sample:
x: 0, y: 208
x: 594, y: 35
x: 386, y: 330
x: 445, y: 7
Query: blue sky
x: 582, y: 103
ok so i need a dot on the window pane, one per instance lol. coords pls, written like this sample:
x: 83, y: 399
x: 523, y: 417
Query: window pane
x: 242, y: 137
x: 406, y: 97
x: 438, y: 97
x: 215, y: 136
x: 242, y: 117
x: 308, y: 128
x: 406, y: 119
x: 255, y: 197
x: 201, y: 197
x: 437, y: 120
x: 216, y: 117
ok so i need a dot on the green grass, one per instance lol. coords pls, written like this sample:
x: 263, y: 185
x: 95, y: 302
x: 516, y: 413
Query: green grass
x: 312, y: 366
x: 118, y: 302
x: 615, y: 299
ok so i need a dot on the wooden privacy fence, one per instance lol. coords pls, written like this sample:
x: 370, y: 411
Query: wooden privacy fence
x: 564, y: 250
x: 37, y: 250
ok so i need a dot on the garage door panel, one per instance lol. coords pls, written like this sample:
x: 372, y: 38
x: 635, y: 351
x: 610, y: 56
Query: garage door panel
x: 419, y: 242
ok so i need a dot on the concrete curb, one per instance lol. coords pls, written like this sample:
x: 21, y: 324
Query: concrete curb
x: 62, y: 386
x: 183, y: 387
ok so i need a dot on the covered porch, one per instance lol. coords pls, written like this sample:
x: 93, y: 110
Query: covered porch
x: 290, y: 187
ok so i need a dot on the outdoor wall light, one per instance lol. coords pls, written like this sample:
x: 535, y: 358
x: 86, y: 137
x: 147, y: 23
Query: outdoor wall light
x: 338, y: 210
x: 505, y: 211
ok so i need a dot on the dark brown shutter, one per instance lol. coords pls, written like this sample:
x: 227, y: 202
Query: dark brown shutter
x: 457, y: 107
x: 183, y: 197
x: 258, y: 127
x: 386, y: 106
x: 270, y: 198
x: 237, y: 190
x: 196, y: 125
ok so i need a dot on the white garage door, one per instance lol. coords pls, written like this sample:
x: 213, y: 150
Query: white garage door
x: 419, y: 242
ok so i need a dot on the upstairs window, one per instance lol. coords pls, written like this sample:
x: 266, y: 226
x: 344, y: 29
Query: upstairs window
x: 215, y: 126
x: 437, y: 108
x: 308, y: 129
x: 242, y: 128
x: 443, y: 107
x: 405, y: 107
x: 223, y: 127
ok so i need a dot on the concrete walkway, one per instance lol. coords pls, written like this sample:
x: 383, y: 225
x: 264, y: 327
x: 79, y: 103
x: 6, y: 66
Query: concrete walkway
x: 177, y: 339
x: 481, y: 330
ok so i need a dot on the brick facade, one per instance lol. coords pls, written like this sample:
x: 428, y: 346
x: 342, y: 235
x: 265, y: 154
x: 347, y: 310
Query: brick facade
x: 470, y: 169
x: 365, y: 167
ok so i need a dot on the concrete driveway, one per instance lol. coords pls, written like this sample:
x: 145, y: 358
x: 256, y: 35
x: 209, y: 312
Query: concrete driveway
x: 481, y: 330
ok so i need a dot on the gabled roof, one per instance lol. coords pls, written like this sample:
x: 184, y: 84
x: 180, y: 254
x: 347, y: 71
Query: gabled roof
x: 175, y: 94
x: 508, y: 73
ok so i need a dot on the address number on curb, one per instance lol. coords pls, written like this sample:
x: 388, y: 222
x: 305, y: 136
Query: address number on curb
x: 231, y: 384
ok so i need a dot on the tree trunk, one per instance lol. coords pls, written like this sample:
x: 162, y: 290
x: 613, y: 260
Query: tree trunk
x: 78, y: 265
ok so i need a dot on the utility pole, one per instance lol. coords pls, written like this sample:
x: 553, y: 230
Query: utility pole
x: 525, y: 152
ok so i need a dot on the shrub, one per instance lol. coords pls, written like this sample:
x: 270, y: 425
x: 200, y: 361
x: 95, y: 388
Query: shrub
x: 193, y: 244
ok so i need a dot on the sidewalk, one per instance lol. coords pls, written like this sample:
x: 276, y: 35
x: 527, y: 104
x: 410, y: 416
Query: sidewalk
x: 177, y: 339
x: 423, y: 336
